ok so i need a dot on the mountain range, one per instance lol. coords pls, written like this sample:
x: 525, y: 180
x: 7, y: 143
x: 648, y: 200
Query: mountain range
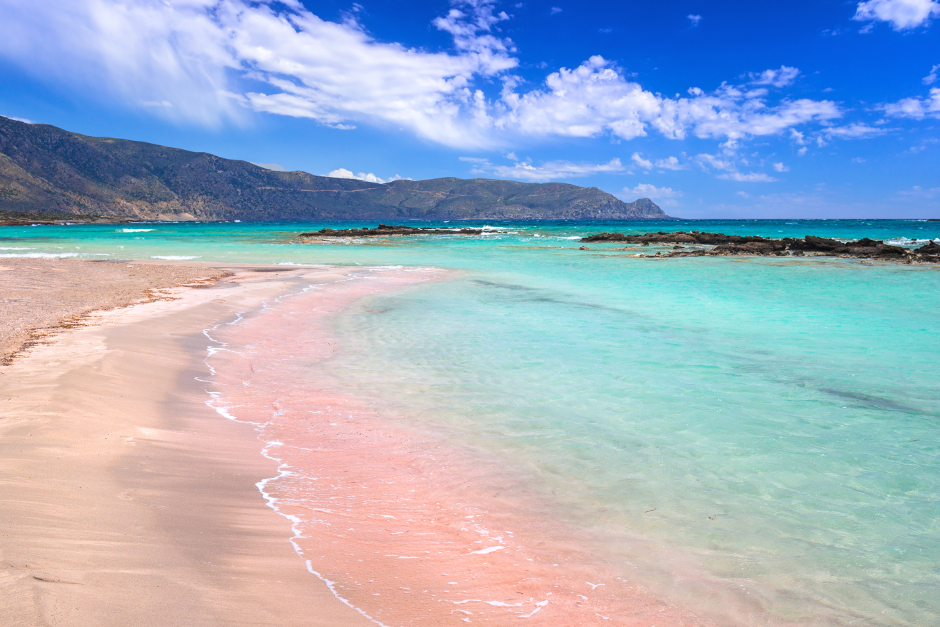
x: 45, y: 170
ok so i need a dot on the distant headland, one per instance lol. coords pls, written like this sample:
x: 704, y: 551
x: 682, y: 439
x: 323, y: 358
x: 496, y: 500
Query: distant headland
x: 49, y: 172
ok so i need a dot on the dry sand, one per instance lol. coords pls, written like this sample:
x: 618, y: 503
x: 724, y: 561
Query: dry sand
x: 124, y: 499
x: 39, y: 297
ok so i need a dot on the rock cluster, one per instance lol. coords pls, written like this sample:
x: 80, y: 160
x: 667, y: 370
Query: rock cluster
x: 385, y: 230
x: 724, y: 245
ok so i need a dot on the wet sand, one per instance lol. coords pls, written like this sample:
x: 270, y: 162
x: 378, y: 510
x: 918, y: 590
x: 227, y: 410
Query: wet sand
x: 124, y: 499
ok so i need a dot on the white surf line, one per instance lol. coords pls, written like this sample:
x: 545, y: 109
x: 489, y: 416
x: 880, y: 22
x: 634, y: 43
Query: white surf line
x: 283, y: 469
x: 488, y: 549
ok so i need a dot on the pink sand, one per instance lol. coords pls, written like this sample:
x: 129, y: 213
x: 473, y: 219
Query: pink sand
x: 405, y: 527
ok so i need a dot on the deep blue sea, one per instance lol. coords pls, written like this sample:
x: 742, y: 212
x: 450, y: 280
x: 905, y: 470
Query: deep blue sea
x: 773, y: 421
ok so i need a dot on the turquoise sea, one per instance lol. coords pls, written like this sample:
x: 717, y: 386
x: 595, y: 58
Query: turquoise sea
x: 772, y: 424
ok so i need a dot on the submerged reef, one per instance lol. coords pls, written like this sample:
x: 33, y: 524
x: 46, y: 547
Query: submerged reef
x: 724, y: 245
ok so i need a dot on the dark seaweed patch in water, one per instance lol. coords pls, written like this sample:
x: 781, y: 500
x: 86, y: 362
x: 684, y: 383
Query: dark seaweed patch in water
x: 868, y: 399
x: 505, y: 286
x: 548, y: 299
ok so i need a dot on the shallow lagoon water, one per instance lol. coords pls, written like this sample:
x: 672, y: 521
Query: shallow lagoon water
x: 761, y: 428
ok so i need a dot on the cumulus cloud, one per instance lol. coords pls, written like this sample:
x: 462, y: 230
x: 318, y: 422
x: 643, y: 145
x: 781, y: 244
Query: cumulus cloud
x: 548, y: 171
x: 916, y: 108
x: 343, y: 173
x: 777, y: 78
x: 779, y: 167
x: 595, y: 98
x: 901, y: 14
x: 213, y: 62
x: 694, y: 19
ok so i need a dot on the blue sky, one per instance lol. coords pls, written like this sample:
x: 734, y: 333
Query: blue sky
x: 821, y: 109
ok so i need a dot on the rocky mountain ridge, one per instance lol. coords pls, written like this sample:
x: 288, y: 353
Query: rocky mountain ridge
x: 47, y: 170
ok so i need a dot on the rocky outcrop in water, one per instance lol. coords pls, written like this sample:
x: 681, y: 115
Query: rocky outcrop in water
x: 385, y: 230
x: 724, y: 245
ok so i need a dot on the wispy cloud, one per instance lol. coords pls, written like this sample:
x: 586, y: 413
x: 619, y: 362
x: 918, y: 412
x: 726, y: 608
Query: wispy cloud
x: 646, y: 190
x: 548, y: 171
x: 854, y: 131
x: 24, y: 120
x: 213, y: 62
x: 694, y: 19
x: 669, y: 163
x: 750, y: 177
x: 779, y: 167
x: 931, y: 78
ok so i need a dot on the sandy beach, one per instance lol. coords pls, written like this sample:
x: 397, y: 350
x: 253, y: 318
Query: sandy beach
x: 124, y: 499
x: 128, y: 499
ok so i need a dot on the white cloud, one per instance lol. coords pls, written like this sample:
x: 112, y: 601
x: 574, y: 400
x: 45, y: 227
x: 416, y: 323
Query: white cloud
x: 215, y: 61
x: 920, y: 193
x: 779, y: 167
x: 778, y: 78
x: 669, y: 163
x: 343, y: 173
x: 595, y: 98
x: 802, y: 151
x: 916, y: 108
x: 902, y: 14
x: 931, y: 78
x: 853, y: 131
x: 751, y: 177
x: 23, y: 120
x: 646, y: 164
x: 707, y: 161
x: 730, y: 169
x: 551, y: 170
x: 555, y: 10
x: 695, y: 19
x: 645, y: 190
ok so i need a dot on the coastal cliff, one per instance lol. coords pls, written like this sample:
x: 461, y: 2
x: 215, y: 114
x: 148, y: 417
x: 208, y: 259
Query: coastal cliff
x: 46, y: 170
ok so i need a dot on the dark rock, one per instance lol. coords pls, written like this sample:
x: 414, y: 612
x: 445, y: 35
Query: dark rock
x: 605, y: 237
x: 385, y: 230
x: 864, y: 248
x: 930, y: 248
